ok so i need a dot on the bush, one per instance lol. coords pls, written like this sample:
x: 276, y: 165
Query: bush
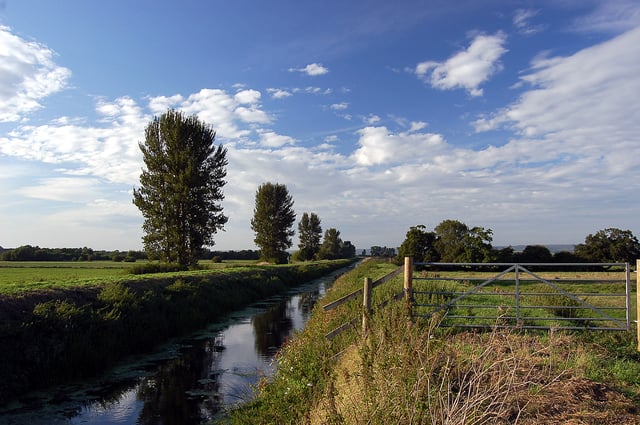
x: 147, y: 268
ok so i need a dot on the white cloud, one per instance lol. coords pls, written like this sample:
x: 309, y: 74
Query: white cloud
x: 63, y: 189
x: 28, y: 74
x: 467, y: 69
x: 580, y: 109
x: 611, y: 16
x: 278, y: 93
x: 160, y: 104
x: 313, y: 69
x: 274, y: 140
x: 522, y: 18
x: 372, y: 119
x: 340, y: 106
x: 379, y: 146
x: 250, y: 97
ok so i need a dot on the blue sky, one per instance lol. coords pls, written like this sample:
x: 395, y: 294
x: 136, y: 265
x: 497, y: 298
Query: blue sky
x: 518, y: 116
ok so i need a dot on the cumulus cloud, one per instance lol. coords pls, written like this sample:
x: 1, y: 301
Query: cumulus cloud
x: 339, y: 106
x: 379, y: 146
x: 274, y: 140
x: 28, y: 74
x: 467, y: 69
x: 312, y: 70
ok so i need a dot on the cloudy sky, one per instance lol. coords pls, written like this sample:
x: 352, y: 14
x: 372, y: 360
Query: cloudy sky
x: 518, y: 116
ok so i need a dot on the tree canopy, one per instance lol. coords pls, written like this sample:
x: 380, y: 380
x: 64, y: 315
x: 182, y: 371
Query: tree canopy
x: 309, y: 233
x: 455, y: 242
x: 333, y: 247
x: 180, y: 190
x: 419, y: 244
x: 273, y: 217
x: 609, y: 245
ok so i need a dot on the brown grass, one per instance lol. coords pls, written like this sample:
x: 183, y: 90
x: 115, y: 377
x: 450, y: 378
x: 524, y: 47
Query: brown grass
x: 420, y: 377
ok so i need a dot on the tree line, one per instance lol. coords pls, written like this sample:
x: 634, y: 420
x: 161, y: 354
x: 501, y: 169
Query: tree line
x: 36, y: 253
x: 180, y: 197
x: 452, y: 241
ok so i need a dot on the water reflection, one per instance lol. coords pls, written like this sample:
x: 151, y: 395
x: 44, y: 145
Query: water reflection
x: 187, y: 383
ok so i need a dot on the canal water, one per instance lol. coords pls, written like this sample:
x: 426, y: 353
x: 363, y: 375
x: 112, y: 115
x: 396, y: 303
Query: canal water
x: 189, y: 381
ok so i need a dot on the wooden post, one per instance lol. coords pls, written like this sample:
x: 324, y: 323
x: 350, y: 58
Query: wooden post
x: 638, y: 300
x: 408, y: 283
x: 366, y: 304
x: 408, y: 278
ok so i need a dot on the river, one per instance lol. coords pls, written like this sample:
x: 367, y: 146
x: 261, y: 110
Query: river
x: 188, y: 381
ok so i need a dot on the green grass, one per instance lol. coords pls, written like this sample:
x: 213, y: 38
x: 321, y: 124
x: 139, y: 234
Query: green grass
x: 410, y: 371
x: 19, y: 276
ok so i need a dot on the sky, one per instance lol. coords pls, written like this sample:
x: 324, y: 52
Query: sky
x: 521, y: 116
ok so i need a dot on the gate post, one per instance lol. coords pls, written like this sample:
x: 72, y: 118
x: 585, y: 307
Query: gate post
x: 366, y: 304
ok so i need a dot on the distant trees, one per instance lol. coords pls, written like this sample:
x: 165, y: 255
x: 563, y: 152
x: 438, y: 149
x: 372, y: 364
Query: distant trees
x: 419, y: 244
x: 609, y: 245
x: 453, y: 241
x: 382, y: 251
x: 273, y: 217
x: 456, y: 242
x: 309, y: 233
x: 333, y: 247
x: 180, y: 190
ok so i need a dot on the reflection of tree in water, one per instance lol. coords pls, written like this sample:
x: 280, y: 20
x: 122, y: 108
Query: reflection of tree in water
x: 306, y: 301
x: 183, y: 388
x: 272, y: 328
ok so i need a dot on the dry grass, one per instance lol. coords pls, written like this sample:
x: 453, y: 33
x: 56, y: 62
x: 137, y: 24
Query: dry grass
x: 421, y: 376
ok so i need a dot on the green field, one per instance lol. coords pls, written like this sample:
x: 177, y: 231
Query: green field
x: 16, y: 276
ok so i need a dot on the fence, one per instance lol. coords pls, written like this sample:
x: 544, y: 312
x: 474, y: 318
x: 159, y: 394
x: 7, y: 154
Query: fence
x: 525, y: 296
x: 559, y: 296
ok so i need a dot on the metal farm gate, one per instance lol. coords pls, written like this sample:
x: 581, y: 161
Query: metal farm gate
x: 527, y: 296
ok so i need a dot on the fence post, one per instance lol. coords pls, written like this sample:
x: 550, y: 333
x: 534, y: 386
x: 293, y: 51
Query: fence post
x: 638, y: 300
x: 366, y: 304
x: 408, y: 281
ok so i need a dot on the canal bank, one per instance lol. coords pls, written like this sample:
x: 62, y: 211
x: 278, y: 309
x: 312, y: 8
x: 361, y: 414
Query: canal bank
x: 65, y: 335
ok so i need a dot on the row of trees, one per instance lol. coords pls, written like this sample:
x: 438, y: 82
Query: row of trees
x: 454, y: 242
x: 36, y: 253
x: 273, y: 220
x: 180, y: 199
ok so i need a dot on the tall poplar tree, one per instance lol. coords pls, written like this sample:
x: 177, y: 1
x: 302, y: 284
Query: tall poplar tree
x: 180, y: 190
x: 309, y: 233
x: 272, y: 220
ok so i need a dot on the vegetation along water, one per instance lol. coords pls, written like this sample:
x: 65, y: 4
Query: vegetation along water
x: 54, y: 332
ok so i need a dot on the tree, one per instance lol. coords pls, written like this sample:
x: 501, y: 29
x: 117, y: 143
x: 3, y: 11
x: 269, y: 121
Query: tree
x: 609, y: 246
x: 455, y: 242
x: 347, y: 250
x: 310, y: 233
x: 535, y: 254
x: 418, y: 244
x: 331, y: 247
x: 272, y: 220
x: 180, y: 190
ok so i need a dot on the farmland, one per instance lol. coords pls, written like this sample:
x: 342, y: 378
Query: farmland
x: 19, y: 276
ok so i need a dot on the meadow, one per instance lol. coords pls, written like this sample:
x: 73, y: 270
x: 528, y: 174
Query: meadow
x: 19, y: 276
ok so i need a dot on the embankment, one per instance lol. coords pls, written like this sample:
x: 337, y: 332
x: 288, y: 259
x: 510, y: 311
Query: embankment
x: 48, y: 337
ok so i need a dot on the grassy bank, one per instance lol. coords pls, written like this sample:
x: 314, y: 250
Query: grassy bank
x: 58, y: 332
x: 414, y: 372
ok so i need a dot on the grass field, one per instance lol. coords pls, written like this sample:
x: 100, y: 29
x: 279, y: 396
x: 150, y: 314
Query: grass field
x: 16, y: 276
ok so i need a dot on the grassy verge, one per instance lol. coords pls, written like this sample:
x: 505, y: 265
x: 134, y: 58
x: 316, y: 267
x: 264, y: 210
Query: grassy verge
x: 414, y: 372
x: 69, y: 331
